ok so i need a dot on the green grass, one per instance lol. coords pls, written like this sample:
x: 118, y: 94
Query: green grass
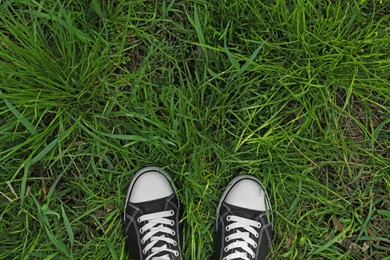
x: 294, y: 92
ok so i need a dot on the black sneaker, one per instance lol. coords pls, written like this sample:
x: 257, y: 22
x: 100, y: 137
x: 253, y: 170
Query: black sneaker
x: 244, y: 221
x: 151, y: 216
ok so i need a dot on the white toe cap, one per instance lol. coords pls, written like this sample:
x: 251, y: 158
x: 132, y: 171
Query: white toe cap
x: 150, y: 185
x: 248, y: 194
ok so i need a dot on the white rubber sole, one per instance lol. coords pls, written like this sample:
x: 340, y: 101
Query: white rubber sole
x: 232, y: 183
x: 139, y: 173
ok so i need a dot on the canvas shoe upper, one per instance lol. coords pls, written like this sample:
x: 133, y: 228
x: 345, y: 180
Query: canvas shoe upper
x: 244, y: 221
x: 151, y: 216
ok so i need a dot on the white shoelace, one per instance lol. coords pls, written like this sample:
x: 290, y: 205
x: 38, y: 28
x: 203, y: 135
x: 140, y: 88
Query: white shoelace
x: 241, y: 240
x: 157, y: 223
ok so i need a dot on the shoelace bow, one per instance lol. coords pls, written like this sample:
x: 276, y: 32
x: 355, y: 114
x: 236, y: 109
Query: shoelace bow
x: 157, y: 223
x: 241, y: 240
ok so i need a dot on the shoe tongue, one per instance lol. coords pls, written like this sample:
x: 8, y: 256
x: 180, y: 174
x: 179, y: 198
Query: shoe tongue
x: 152, y: 206
x: 155, y: 206
x: 243, y: 212
x: 162, y: 255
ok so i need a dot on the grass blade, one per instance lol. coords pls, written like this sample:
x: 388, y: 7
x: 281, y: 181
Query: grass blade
x: 45, y: 151
x: 67, y: 226
x: 19, y: 116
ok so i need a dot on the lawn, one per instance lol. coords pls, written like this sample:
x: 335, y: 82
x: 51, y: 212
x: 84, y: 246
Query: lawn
x: 296, y: 93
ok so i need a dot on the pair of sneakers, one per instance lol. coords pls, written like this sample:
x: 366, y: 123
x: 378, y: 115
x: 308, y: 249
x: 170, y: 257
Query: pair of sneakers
x: 152, y: 209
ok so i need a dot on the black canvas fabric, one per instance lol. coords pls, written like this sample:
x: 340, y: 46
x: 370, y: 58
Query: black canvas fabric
x: 265, y: 231
x: 134, y: 210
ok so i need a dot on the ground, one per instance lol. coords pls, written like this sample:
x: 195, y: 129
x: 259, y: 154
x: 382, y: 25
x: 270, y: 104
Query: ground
x: 294, y: 92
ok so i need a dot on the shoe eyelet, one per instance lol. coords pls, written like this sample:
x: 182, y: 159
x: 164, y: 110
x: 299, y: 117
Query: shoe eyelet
x: 172, y: 222
x: 255, y: 245
x: 141, y: 230
x: 225, y: 249
x: 227, y: 239
x: 176, y: 253
x: 174, y: 243
x: 257, y: 235
x: 227, y: 228
x: 258, y: 225
x: 172, y: 212
x: 253, y: 256
x: 139, y: 220
x: 142, y: 241
x: 228, y: 218
x: 144, y: 252
x: 173, y: 233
